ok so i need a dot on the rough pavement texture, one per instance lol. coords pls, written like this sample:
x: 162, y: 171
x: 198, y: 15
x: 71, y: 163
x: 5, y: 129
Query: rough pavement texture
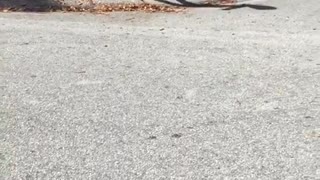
x: 208, y: 94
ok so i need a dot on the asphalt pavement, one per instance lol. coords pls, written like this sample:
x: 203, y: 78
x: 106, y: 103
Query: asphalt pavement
x: 202, y: 94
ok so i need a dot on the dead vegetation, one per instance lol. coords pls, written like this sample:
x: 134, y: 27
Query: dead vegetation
x: 116, y: 7
x: 90, y: 6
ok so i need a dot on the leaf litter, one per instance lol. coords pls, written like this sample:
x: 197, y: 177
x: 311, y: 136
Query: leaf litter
x: 90, y: 6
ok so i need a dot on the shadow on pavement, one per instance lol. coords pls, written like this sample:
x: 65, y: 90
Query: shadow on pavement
x: 185, y: 3
x: 252, y: 6
x: 31, y: 5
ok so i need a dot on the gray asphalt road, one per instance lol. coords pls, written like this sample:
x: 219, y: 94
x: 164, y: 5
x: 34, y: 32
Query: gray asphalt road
x: 205, y: 94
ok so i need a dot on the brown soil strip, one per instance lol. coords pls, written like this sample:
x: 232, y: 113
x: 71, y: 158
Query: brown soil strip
x: 99, y: 8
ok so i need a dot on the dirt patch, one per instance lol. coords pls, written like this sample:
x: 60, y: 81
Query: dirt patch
x: 115, y: 7
x: 92, y: 8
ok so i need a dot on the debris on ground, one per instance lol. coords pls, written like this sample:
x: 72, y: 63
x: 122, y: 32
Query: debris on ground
x: 98, y: 8
x: 101, y: 8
